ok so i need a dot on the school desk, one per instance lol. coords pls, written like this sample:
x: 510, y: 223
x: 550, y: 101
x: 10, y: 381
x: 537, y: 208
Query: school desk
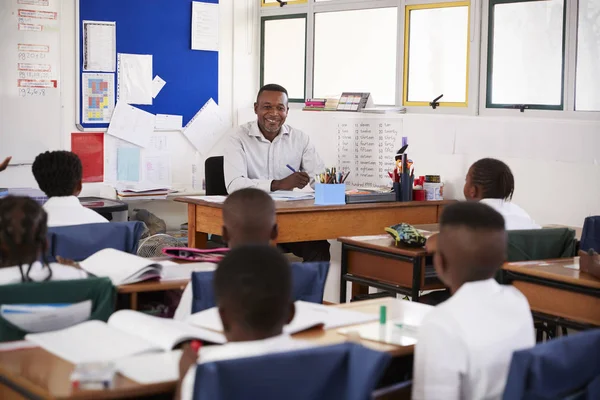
x: 134, y: 289
x: 301, y: 221
x: 36, y: 374
x: 557, y: 293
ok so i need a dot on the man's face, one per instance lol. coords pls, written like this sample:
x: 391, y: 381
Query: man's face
x: 271, y: 110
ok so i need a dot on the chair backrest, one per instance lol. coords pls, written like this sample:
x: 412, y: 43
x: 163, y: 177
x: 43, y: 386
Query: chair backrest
x: 308, y: 284
x: 78, y: 242
x: 541, y: 244
x: 100, y: 291
x: 215, y: 177
x: 345, y: 371
x: 590, y: 236
x: 564, y: 368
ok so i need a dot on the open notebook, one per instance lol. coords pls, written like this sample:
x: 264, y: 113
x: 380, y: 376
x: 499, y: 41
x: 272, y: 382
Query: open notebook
x: 308, y: 315
x: 120, y: 267
x: 127, y: 333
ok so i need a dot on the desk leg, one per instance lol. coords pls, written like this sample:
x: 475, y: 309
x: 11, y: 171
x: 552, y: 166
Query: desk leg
x: 417, y: 274
x: 344, y: 270
x: 359, y: 290
x: 133, y: 301
x: 196, y: 239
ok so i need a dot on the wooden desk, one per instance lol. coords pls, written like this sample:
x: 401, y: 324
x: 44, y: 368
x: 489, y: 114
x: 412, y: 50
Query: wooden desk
x: 37, y: 374
x: 301, y: 221
x: 556, y: 293
x: 376, y: 261
x: 149, y: 286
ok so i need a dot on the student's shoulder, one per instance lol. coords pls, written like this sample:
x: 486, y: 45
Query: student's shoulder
x: 440, y: 319
x: 515, y: 297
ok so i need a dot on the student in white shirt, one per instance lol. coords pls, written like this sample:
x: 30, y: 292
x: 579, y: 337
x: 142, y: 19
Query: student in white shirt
x: 23, y: 242
x: 248, y: 218
x: 466, y: 343
x: 253, y: 289
x: 491, y: 182
x: 59, y: 175
x: 258, y: 154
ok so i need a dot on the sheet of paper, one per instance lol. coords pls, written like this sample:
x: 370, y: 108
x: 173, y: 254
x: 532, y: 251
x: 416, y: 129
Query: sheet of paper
x: 98, y: 97
x: 131, y: 124
x: 158, y: 143
x: 90, y: 149
x: 134, y: 78
x: 111, y: 146
x: 156, y: 169
x: 128, y: 164
x: 176, y: 272
x: 157, y: 84
x: 17, y: 345
x: 205, y: 26
x: 34, y: 318
x: 166, y: 122
x: 151, y: 368
x: 209, y: 199
x: 99, y: 46
x: 206, y: 128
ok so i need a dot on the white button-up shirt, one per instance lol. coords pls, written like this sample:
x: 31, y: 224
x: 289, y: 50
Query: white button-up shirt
x: 250, y: 160
x: 465, y: 344
x: 515, y: 218
x: 67, y: 210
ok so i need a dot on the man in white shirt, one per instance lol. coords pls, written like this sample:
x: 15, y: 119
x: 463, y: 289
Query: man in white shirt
x: 466, y: 343
x: 263, y: 153
x: 59, y: 175
x: 253, y: 290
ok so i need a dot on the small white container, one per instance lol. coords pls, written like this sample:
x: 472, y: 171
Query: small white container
x: 433, y: 191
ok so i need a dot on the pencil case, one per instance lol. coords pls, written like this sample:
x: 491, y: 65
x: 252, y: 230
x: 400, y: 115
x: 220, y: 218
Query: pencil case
x: 189, y: 254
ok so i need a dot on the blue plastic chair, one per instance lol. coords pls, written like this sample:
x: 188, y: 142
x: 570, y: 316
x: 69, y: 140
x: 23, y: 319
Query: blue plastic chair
x: 564, y: 368
x: 78, y: 242
x: 345, y: 371
x: 590, y: 236
x: 308, y: 284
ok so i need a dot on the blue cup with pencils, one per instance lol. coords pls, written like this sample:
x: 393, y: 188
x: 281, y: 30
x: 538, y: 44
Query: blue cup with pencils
x: 330, y: 189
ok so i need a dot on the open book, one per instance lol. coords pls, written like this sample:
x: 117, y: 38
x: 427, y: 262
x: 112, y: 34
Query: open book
x: 127, y: 333
x: 120, y: 267
x: 308, y: 315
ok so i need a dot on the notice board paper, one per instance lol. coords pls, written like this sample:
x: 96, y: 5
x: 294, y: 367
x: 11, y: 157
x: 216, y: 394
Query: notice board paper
x: 89, y: 147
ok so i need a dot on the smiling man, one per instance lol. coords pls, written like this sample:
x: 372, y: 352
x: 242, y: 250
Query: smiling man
x: 258, y: 154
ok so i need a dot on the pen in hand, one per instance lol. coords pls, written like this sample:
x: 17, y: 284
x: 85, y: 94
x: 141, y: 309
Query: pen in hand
x: 290, y: 168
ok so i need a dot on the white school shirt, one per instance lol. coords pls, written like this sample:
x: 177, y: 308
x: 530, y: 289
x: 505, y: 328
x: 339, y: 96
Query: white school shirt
x: 515, y: 218
x: 231, y: 350
x: 184, y: 309
x: 37, y: 273
x: 250, y: 160
x: 67, y: 210
x: 465, y: 344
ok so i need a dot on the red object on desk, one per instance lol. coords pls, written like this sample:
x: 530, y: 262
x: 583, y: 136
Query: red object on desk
x: 418, y: 195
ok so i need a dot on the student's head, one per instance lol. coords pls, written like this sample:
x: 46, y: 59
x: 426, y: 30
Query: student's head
x: 22, y: 231
x: 471, y: 245
x: 489, y: 178
x: 271, y: 108
x: 253, y: 291
x: 58, y: 173
x: 249, y: 218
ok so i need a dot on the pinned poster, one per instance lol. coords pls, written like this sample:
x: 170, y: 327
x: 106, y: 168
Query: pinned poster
x: 205, y: 26
x: 134, y: 78
x: 131, y: 124
x: 128, y: 164
x: 98, y: 98
x: 99, y: 46
x: 157, y: 84
x: 90, y: 149
x: 157, y: 169
x: 206, y: 128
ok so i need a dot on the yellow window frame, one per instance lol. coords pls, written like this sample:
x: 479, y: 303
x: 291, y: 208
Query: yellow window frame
x: 289, y: 2
x: 407, y: 11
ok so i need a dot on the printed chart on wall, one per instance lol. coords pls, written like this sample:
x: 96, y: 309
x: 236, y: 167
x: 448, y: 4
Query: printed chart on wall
x: 366, y: 148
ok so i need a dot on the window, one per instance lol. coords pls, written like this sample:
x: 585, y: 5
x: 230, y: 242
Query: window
x: 587, y: 89
x: 436, y: 54
x: 269, y: 3
x: 283, y: 51
x: 355, y: 51
x: 525, y: 54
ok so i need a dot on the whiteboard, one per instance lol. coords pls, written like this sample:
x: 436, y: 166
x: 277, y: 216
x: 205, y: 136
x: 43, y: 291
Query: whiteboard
x: 30, y: 87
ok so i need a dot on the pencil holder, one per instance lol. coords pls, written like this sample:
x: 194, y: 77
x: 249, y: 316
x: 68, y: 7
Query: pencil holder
x: 406, y: 190
x: 330, y: 194
x: 398, y: 191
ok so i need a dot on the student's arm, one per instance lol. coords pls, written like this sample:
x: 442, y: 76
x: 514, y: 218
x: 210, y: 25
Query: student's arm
x: 440, y: 362
x: 5, y: 163
x: 187, y: 373
x: 235, y: 168
x: 589, y: 264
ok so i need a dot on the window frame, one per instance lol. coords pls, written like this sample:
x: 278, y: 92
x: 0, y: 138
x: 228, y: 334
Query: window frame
x: 289, y: 2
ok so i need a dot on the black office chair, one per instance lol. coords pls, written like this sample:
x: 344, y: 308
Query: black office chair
x: 215, y: 178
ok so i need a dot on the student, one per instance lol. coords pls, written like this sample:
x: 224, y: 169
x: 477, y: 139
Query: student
x: 253, y: 289
x: 466, y: 343
x: 59, y: 175
x: 23, y: 242
x: 248, y: 218
x: 491, y: 182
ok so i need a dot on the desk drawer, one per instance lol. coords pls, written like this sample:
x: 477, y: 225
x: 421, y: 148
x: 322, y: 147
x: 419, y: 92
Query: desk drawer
x: 383, y: 269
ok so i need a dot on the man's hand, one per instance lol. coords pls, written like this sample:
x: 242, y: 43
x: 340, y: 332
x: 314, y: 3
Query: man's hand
x: 5, y: 164
x: 189, y: 357
x: 295, y: 180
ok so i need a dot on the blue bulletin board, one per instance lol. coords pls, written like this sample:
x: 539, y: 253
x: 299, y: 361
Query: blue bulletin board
x: 161, y: 28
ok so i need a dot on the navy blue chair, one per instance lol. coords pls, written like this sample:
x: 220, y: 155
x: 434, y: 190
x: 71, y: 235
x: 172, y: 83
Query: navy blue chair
x: 590, y: 236
x: 78, y: 242
x: 345, y: 371
x: 308, y: 284
x: 564, y: 368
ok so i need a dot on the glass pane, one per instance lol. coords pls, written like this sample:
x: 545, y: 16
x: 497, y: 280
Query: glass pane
x: 284, y: 54
x: 355, y: 51
x: 437, y: 59
x: 588, y: 56
x: 527, y: 53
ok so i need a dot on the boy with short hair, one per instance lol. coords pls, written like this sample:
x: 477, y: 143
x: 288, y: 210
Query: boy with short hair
x: 253, y: 290
x: 59, y: 175
x: 466, y: 343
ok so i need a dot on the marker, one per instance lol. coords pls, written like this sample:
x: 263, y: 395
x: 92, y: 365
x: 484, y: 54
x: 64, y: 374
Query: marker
x: 290, y: 168
x: 196, y: 345
x: 382, y: 315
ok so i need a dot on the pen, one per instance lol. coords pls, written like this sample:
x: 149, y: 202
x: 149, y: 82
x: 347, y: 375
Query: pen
x: 290, y: 167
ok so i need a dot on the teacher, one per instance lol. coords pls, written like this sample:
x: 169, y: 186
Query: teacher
x: 258, y: 154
